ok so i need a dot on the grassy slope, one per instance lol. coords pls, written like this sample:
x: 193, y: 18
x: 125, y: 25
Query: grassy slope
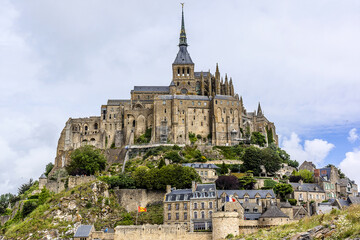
x: 347, y: 225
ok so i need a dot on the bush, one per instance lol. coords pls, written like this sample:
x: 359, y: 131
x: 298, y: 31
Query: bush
x: 120, y: 181
x: 192, y: 138
x: 28, y: 207
x: 269, y: 184
x: 48, y: 168
x: 173, y: 156
x: 126, y: 219
x: 43, y: 196
x: 86, y: 160
x: 292, y: 201
x: 25, y: 187
x: 258, y: 139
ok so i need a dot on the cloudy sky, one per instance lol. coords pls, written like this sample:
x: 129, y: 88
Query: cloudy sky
x: 61, y: 59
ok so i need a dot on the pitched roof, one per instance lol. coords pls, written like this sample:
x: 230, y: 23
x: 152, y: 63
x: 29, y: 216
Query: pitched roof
x: 179, y: 195
x: 184, y: 97
x: 273, y: 212
x: 198, y: 74
x: 83, y: 231
x: 43, y: 176
x: 252, y: 216
x: 151, y: 89
x: 354, y: 200
x: 224, y: 97
x: 205, y: 187
x: 285, y: 205
x: 200, y: 165
x: 116, y: 102
x: 306, y: 187
x: 183, y: 57
x: 251, y: 193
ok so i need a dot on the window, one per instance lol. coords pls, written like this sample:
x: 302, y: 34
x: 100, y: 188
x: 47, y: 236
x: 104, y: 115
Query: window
x: 201, y: 123
x: 202, y: 205
x: 192, y: 103
x: 185, y: 216
x: 222, y: 119
x: 257, y: 200
x: 86, y: 128
x: 169, y: 216
x: 206, y: 172
x: 201, y: 173
x: 246, y: 199
x: 177, y: 216
x: 185, y: 206
x: 195, y: 205
x: 183, y: 121
x: 205, y: 103
x: 210, y: 214
x: 188, y: 83
x: 95, y: 126
x: 215, y: 101
x: 177, y: 206
x: 180, y: 102
x: 165, y: 110
x: 169, y: 207
x: 164, y: 102
x: 195, y: 215
x: 199, y: 103
x: 202, y: 214
x: 210, y: 205
x: 255, y: 210
x: 204, y: 118
x: 224, y: 110
x: 246, y: 210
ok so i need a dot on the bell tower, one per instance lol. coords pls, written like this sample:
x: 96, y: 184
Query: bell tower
x: 183, y: 66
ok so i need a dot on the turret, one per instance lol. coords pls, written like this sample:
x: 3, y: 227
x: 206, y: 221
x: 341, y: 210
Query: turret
x: 217, y: 81
x: 227, y: 90
x: 259, y: 111
x: 231, y: 87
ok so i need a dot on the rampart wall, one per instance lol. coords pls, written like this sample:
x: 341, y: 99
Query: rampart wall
x: 132, y: 198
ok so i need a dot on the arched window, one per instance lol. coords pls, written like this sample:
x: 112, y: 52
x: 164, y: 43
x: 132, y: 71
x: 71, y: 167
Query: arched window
x: 133, y: 123
x: 198, y: 87
x: 202, y: 214
x: 188, y: 71
x: 178, y: 73
x: 86, y: 128
x: 95, y: 126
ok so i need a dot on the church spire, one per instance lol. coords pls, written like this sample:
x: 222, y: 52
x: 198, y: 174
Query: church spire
x: 259, y: 111
x: 182, y: 40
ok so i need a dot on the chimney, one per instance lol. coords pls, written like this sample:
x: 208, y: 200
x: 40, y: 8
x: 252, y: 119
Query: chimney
x: 193, y: 186
x: 168, y: 189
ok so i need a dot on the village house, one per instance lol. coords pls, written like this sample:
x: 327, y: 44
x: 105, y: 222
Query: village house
x: 207, y: 172
x: 307, y: 192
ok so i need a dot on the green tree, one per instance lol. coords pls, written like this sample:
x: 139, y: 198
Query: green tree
x: 258, y: 139
x: 86, y: 160
x: 48, y: 168
x: 247, y: 182
x: 252, y: 159
x: 282, y: 190
x: 293, y: 163
x: 28, y: 207
x: 25, y: 186
x: 224, y: 169
x: 121, y: 181
x: 306, y: 175
x: 269, y: 134
x: 139, y: 176
x: 192, y: 138
x: 269, y: 184
x: 173, y: 156
x: 6, y: 200
x: 271, y: 160
x: 161, y: 163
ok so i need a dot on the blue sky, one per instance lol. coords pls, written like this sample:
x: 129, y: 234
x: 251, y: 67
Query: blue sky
x: 63, y: 59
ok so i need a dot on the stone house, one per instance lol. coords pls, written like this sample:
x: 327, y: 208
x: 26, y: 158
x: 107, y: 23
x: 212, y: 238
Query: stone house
x: 308, y: 166
x: 347, y: 188
x: 307, y: 192
x: 328, y: 179
x: 207, y: 172
x: 191, y: 207
x: 194, y: 102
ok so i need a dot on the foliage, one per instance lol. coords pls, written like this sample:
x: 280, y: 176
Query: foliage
x: 173, y: 156
x: 227, y: 183
x: 223, y: 169
x: 156, y: 151
x: 153, y: 215
x: 269, y: 184
x: 232, y: 152
x: 247, y: 182
x: 306, y: 175
x: 120, y: 181
x: 235, y: 168
x: 161, y: 163
x: 192, y: 153
x: 192, y: 138
x: 176, y: 147
x: 258, y: 139
x: 126, y: 219
x: 48, y: 168
x: 28, y: 207
x: 86, y: 160
x: 269, y: 134
x: 292, y: 201
x: 293, y: 163
x: 144, y: 138
x: 283, y: 189
x: 341, y: 174
x: 293, y: 178
x: 44, y: 196
x: 6, y: 200
x: 25, y: 187
x: 251, y: 159
x: 174, y: 175
x: 271, y: 160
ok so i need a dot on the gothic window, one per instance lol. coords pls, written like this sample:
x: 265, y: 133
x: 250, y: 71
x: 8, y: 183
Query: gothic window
x: 224, y: 110
x: 95, y: 126
x: 202, y: 205
x: 188, y: 71
x: 185, y: 206
x: 165, y: 110
x: 169, y: 207
x: 86, y: 128
x: 178, y: 83
x: 177, y: 206
x: 169, y: 216
x: 194, y: 117
x: 195, y: 205
x: 215, y: 101
x: 178, y: 73
x: 197, y: 87
x: 210, y: 214
x: 210, y: 205
x: 183, y: 71
x: 133, y: 123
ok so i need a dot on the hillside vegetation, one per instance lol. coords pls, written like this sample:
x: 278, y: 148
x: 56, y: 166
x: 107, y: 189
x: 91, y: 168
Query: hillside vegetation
x: 338, y: 224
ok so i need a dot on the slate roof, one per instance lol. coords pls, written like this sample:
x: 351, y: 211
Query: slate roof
x: 273, y: 212
x: 306, y: 187
x: 285, y: 205
x: 184, y: 97
x: 205, y: 187
x: 224, y: 97
x: 183, y: 57
x: 326, y: 174
x: 198, y: 74
x: 200, y: 165
x: 151, y: 89
x: 251, y: 193
x: 83, y: 231
x: 344, y: 202
x: 116, y: 102
x: 43, y: 176
x: 354, y: 200
x: 252, y: 216
x: 179, y: 195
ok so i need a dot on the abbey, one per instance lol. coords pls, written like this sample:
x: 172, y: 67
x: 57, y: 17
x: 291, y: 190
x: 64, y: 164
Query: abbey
x: 195, y: 103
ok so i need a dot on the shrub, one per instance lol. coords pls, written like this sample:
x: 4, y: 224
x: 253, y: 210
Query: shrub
x: 269, y: 184
x: 258, y: 139
x: 192, y: 138
x: 86, y: 160
x: 292, y: 201
x: 43, y: 196
x: 120, y: 181
x: 29, y: 206
x: 173, y: 156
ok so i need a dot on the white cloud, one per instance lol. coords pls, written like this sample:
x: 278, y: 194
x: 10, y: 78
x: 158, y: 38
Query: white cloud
x: 315, y: 150
x: 353, y: 136
x: 351, y: 165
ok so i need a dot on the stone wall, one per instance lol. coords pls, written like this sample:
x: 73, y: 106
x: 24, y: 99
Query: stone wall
x: 132, y: 198
x: 103, y: 236
x: 4, y: 219
x: 159, y: 232
x: 225, y: 223
x: 73, y: 181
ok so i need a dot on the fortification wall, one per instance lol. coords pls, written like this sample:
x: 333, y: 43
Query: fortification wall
x: 132, y: 198
x: 103, y: 236
x: 225, y: 223
x: 158, y: 232
x: 73, y: 181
